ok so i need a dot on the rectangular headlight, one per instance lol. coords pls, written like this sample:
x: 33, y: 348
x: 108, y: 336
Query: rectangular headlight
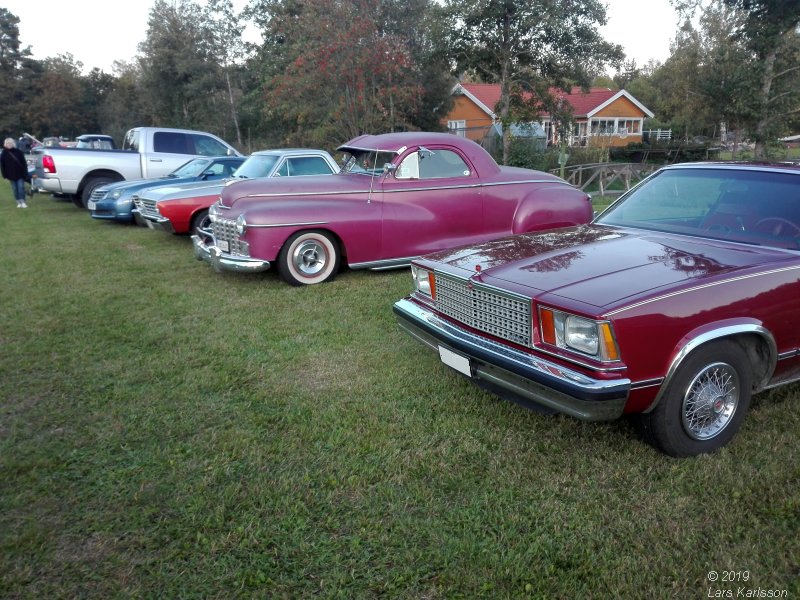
x: 424, y: 281
x: 578, y: 334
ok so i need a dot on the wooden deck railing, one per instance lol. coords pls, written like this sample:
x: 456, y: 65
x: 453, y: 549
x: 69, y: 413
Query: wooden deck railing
x: 604, y: 175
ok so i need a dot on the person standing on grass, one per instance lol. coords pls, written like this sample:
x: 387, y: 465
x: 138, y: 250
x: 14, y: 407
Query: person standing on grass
x: 15, y: 169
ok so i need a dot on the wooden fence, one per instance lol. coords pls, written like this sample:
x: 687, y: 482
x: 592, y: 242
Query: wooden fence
x: 604, y: 175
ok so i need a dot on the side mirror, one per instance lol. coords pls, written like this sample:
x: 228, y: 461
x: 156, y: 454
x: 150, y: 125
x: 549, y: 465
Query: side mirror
x: 389, y: 168
x: 207, y: 174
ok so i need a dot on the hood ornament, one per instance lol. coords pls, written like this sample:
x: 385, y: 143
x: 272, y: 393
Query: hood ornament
x: 477, y: 268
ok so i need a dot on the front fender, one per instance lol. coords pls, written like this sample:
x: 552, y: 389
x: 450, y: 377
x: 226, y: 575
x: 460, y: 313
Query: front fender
x: 709, y: 332
x: 356, y: 223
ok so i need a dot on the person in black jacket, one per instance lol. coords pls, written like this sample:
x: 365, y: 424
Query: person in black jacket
x: 15, y: 169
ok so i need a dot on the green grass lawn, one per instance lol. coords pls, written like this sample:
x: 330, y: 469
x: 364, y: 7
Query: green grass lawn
x: 167, y: 431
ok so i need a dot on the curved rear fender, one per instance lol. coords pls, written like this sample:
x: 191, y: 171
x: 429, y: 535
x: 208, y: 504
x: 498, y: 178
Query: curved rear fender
x: 757, y: 341
x: 550, y: 207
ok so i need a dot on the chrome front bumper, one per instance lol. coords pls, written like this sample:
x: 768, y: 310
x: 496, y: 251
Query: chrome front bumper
x: 158, y: 223
x: 523, y: 375
x: 226, y: 262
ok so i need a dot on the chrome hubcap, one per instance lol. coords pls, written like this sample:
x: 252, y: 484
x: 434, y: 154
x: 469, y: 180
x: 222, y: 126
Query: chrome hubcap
x: 310, y: 258
x: 710, y: 401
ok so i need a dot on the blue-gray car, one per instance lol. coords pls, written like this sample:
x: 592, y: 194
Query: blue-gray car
x: 113, y: 201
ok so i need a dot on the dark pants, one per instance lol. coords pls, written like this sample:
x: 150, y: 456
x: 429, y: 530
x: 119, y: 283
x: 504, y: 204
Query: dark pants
x: 18, y: 189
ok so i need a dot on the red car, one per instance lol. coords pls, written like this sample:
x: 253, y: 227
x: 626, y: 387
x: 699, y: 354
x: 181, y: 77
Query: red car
x: 398, y: 196
x: 676, y: 305
x: 183, y: 208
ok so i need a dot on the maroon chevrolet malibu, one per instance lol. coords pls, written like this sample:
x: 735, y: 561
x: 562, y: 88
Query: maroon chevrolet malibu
x: 674, y: 305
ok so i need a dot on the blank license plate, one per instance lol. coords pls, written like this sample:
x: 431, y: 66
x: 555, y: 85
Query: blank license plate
x: 91, y: 205
x: 455, y: 361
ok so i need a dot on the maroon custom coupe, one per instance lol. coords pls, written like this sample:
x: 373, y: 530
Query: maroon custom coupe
x: 398, y: 196
x: 676, y: 304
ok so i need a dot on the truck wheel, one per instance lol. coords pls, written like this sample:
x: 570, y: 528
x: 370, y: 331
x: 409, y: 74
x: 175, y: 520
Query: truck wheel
x: 82, y: 201
x: 308, y: 257
x: 704, y: 404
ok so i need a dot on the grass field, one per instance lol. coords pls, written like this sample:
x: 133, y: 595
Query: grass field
x: 171, y: 432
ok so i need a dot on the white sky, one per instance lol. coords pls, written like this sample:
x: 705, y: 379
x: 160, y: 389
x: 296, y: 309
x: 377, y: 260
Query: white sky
x: 99, y: 32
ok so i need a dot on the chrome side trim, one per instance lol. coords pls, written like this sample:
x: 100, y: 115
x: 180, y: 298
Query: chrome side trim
x: 305, y: 224
x: 716, y: 334
x: 647, y: 383
x: 404, y: 190
x: 525, y: 375
x: 699, y: 287
x: 384, y: 265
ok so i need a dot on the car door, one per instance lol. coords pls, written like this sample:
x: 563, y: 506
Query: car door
x: 432, y: 200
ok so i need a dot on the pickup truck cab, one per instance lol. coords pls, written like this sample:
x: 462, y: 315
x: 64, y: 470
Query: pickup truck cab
x: 146, y: 153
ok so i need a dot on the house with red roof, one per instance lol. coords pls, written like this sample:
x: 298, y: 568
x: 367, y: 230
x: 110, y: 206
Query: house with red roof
x: 601, y: 116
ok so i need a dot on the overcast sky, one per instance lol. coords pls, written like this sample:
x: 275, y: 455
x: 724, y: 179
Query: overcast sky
x: 99, y: 32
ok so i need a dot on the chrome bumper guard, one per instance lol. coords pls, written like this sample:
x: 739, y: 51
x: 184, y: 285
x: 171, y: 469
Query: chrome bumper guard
x: 528, y: 377
x: 226, y: 262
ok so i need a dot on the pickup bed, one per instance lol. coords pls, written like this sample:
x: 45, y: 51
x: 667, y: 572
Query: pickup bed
x: 146, y: 153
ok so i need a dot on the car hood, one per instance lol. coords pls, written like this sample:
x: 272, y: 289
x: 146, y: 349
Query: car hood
x: 279, y: 187
x: 172, y: 191
x: 603, y: 266
x: 135, y: 184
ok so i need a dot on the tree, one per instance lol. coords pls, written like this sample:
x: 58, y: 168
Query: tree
x: 177, y: 68
x: 58, y: 102
x: 763, y: 53
x: 529, y: 47
x: 12, y: 59
x: 228, y: 49
x: 335, y: 69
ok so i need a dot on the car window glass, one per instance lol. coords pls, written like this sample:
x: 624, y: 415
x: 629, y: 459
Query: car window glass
x: 441, y: 163
x: 216, y: 169
x: 747, y: 206
x: 193, y: 168
x: 131, y: 141
x: 409, y: 168
x: 171, y: 142
x: 308, y: 165
x: 258, y: 165
x: 208, y: 146
x: 432, y: 164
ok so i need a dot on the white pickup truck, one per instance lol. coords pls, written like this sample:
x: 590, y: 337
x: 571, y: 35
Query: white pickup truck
x: 147, y: 152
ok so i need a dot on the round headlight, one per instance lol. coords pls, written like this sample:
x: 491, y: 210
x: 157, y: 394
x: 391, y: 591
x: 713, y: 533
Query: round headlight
x: 241, y: 225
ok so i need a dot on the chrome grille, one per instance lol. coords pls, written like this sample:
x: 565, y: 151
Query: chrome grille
x: 501, y: 314
x: 146, y: 207
x: 225, y: 230
x: 98, y: 194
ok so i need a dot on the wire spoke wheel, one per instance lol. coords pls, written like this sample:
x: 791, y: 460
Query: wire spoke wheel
x: 710, y: 401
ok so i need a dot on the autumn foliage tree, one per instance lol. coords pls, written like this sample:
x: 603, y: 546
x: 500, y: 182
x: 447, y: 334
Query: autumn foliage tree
x: 338, y: 72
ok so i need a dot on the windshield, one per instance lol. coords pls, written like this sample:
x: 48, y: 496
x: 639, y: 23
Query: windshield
x: 193, y: 168
x: 366, y: 162
x: 748, y: 206
x: 258, y: 165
